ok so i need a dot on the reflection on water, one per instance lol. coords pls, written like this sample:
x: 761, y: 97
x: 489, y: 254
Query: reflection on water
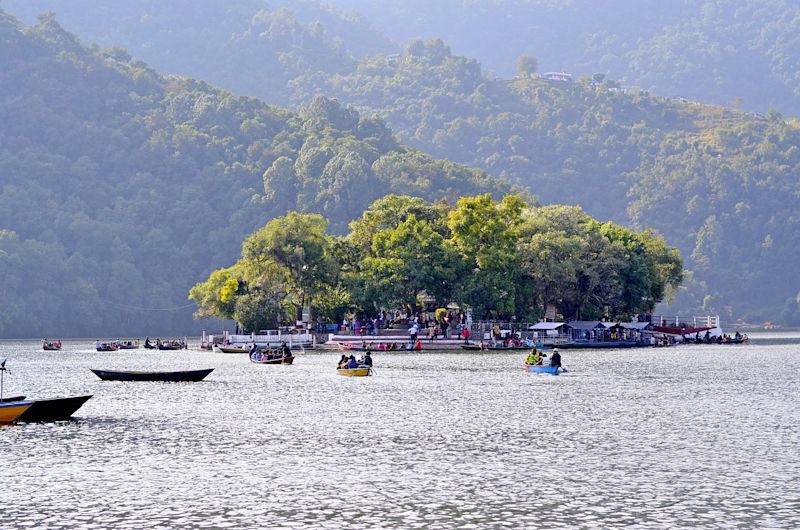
x: 682, y: 437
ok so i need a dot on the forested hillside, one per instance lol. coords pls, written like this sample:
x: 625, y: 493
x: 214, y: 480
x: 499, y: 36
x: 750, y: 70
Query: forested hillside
x: 721, y: 184
x: 718, y: 181
x: 119, y: 188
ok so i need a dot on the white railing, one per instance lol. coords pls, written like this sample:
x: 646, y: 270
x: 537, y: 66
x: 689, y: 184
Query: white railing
x: 708, y: 321
x: 271, y: 338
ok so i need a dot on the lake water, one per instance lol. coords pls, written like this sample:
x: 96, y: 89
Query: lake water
x: 690, y: 436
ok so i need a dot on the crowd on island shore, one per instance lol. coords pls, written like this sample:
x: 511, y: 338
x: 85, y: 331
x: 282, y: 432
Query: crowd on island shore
x: 453, y: 321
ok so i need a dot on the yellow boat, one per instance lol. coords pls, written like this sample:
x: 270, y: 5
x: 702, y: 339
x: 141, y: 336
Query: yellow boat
x: 361, y: 371
x: 9, y: 412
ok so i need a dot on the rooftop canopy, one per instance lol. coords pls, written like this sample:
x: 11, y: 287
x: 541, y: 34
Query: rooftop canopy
x: 544, y: 326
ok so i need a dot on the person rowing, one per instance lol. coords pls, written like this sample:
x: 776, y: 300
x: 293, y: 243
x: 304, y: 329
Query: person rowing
x: 555, y: 359
x: 367, y: 360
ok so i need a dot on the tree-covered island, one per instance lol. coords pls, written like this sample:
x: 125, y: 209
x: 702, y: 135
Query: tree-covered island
x: 501, y: 258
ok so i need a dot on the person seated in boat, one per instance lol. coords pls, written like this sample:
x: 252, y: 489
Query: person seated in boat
x: 555, y: 359
x: 352, y: 363
x: 737, y: 336
x: 342, y: 362
x: 286, y: 350
x: 367, y: 360
x: 533, y: 358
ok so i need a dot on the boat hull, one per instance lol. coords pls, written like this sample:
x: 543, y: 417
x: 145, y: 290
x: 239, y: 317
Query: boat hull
x: 50, y: 347
x: 601, y: 345
x: 225, y: 349
x: 354, y: 372
x: 543, y: 369
x: 10, y: 412
x: 55, y: 409
x: 11, y: 399
x: 190, y: 375
x: 128, y: 347
x: 279, y: 360
x: 169, y: 347
x: 107, y: 348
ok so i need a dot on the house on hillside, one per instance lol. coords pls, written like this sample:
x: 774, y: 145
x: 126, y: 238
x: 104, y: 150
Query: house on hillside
x: 392, y: 59
x: 560, y: 77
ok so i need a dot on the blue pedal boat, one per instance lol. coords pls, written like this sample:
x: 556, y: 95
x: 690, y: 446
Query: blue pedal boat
x: 543, y: 369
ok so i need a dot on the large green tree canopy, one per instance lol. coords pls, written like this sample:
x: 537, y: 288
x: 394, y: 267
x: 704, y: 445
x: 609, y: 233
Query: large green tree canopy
x: 501, y: 258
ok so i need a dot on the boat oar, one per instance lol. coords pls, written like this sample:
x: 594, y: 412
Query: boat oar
x: 564, y: 370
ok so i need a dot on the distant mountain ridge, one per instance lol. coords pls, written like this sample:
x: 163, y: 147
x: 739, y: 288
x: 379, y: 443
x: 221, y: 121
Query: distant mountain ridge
x: 251, y: 47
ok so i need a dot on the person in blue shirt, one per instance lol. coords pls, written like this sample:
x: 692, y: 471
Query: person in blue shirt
x: 352, y: 363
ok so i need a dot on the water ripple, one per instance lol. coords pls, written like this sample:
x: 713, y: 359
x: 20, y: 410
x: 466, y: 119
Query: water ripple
x: 684, y: 437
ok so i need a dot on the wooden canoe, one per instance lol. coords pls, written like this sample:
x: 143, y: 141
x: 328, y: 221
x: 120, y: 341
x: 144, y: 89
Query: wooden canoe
x: 277, y: 360
x: 232, y: 349
x: 10, y: 412
x: 163, y: 346
x: 54, y: 409
x: 189, y: 375
x: 361, y: 371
